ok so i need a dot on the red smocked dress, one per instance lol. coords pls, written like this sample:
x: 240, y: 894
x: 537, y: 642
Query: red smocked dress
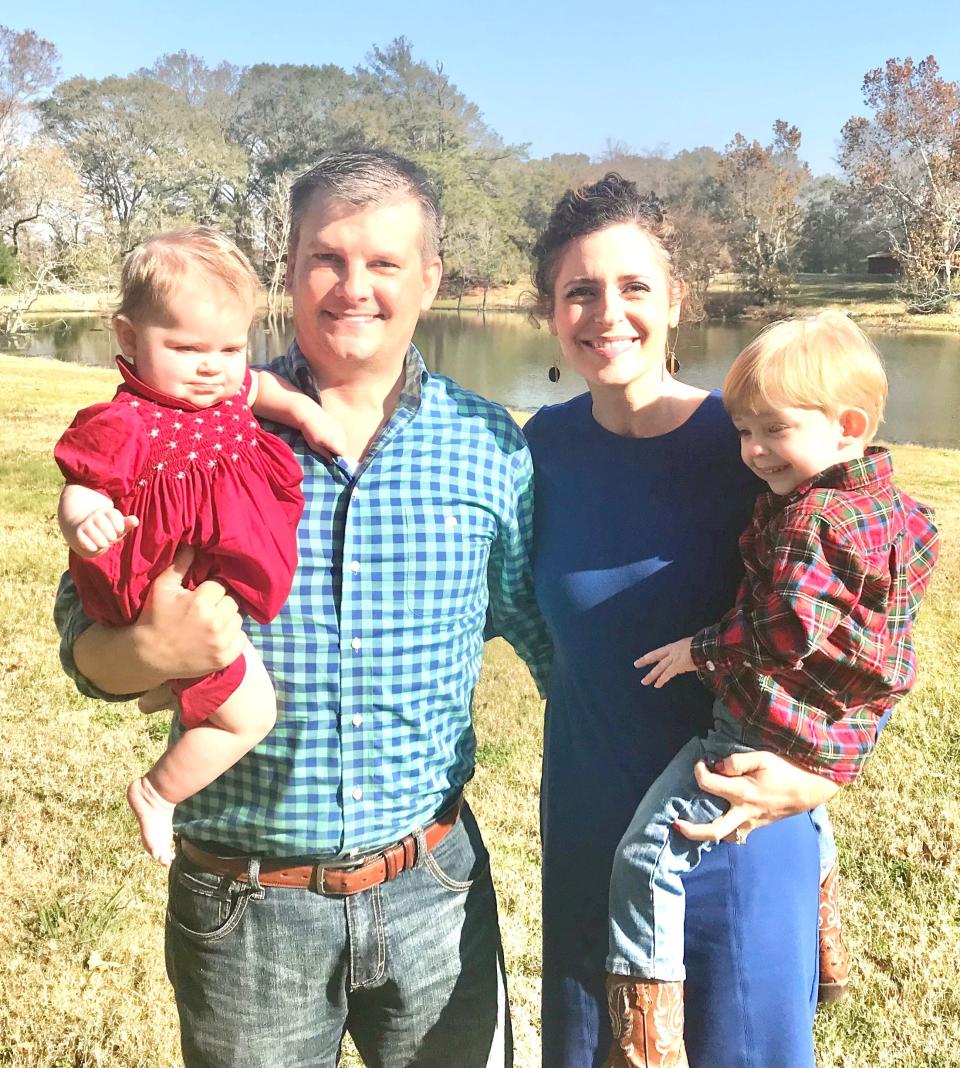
x: 211, y: 478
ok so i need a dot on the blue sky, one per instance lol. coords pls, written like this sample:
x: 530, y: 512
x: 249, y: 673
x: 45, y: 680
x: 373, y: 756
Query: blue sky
x: 562, y: 76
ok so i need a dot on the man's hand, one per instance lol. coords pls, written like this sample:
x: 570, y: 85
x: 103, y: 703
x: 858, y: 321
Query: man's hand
x: 668, y: 660
x: 761, y: 787
x: 188, y: 633
x: 180, y: 633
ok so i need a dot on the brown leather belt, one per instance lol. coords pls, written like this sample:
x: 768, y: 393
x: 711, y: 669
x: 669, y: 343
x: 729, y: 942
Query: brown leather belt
x: 379, y: 868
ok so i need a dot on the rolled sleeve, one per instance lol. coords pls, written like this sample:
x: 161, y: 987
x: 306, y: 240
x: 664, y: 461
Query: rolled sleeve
x: 71, y: 622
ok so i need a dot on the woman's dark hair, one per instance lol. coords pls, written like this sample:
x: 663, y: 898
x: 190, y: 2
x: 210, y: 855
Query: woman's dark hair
x: 585, y: 210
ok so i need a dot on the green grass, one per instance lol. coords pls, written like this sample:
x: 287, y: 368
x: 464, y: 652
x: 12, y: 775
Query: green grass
x: 870, y: 299
x: 81, y: 959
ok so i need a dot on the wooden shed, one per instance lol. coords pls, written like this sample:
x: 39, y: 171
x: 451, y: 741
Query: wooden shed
x: 882, y: 263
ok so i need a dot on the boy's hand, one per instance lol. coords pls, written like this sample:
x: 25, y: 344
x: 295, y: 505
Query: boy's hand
x: 100, y: 530
x: 667, y: 661
x: 323, y: 433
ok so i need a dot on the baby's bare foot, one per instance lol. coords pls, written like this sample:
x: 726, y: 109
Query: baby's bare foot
x: 157, y: 699
x: 155, y: 816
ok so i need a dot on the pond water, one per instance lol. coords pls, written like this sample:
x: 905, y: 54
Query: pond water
x: 503, y: 356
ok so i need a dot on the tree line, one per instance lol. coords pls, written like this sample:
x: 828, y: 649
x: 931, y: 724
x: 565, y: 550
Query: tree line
x: 88, y: 167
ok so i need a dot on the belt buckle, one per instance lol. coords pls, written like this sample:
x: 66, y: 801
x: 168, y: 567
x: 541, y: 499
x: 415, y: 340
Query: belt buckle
x: 322, y: 887
x: 321, y: 881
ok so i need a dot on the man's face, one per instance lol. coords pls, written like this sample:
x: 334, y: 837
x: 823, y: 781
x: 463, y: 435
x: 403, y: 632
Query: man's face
x: 359, y: 282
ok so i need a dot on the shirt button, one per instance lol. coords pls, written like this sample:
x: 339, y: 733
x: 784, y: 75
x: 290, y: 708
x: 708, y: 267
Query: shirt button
x: 798, y: 665
x: 747, y: 664
x: 357, y: 720
x: 355, y: 566
x: 356, y: 643
x: 450, y: 522
x: 711, y: 666
x: 357, y: 793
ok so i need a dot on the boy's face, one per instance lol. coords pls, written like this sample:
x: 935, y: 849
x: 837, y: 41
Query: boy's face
x: 195, y: 347
x: 788, y: 446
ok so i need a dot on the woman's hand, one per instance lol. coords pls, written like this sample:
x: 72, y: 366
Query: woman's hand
x: 761, y: 787
x: 668, y: 661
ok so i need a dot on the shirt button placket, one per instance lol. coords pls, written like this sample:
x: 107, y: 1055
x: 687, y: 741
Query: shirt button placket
x: 352, y: 672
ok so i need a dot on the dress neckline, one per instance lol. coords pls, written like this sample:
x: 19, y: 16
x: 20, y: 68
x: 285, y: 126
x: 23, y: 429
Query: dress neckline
x: 692, y: 418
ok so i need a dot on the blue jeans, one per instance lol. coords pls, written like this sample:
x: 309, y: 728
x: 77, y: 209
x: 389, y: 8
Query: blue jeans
x: 268, y: 977
x: 647, y: 903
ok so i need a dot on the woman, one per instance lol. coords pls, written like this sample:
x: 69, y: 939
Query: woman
x: 641, y: 496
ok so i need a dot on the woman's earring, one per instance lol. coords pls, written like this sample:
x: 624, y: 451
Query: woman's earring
x: 672, y: 363
x: 554, y: 373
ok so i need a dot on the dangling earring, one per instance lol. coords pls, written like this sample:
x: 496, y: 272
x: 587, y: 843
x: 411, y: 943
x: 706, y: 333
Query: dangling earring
x: 554, y: 373
x: 672, y: 363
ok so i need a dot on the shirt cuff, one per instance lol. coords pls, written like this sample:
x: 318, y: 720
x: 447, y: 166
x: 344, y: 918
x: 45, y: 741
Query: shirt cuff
x: 72, y: 621
x: 706, y: 655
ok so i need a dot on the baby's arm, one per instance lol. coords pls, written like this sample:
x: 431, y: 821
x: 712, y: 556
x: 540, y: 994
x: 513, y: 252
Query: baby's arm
x: 273, y: 398
x: 89, y: 522
x: 667, y: 661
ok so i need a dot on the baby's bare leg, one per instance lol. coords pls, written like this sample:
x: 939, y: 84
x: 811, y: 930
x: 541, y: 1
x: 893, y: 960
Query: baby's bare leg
x: 201, y: 754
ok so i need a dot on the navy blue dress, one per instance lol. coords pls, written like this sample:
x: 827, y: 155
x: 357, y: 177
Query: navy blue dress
x: 636, y: 545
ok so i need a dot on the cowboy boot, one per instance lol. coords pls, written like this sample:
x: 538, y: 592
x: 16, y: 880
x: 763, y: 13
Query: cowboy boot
x: 834, y: 964
x: 647, y: 1020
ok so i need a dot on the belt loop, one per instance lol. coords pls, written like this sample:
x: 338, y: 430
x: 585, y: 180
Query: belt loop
x: 253, y: 878
x: 421, y: 839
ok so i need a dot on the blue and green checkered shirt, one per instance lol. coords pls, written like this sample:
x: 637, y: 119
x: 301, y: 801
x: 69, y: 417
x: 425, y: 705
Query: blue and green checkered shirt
x: 406, y: 564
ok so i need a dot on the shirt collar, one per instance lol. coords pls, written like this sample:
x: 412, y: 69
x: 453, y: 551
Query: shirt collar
x: 873, y: 469
x: 415, y: 374
x: 129, y: 375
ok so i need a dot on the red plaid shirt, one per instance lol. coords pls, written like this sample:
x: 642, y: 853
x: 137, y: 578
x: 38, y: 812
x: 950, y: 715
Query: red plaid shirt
x: 817, y: 647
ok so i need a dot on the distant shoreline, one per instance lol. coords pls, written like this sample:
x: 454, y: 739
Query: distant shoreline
x: 861, y: 297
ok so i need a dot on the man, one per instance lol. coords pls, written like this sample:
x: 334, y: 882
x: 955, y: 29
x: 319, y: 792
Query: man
x: 333, y: 879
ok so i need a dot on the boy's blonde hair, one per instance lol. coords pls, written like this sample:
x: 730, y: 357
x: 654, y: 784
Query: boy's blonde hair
x: 154, y: 268
x: 822, y: 361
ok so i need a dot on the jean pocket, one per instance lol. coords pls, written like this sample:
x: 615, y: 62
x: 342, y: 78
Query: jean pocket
x: 460, y: 859
x: 202, y: 906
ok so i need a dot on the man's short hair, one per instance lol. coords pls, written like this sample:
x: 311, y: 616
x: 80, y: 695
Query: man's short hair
x: 822, y: 361
x: 369, y: 176
x: 153, y: 269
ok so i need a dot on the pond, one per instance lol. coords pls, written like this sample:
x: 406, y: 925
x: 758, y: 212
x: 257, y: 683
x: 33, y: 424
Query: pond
x: 503, y: 356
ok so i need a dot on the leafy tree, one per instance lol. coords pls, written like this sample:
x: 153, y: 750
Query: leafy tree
x: 202, y: 86
x: 142, y: 151
x: 759, y: 186
x: 906, y: 161
x: 8, y: 265
x: 839, y: 229
x: 702, y: 254
x: 28, y: 65
x: 286, y: 116
x: 413, y: 108
x: 40, y: 185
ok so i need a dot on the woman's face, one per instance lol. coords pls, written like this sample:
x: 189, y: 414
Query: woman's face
x: 614, y: 302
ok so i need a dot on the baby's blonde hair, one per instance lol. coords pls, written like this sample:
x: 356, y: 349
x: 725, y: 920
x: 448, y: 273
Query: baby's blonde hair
x: 822, y: 361
x: 152, y: 270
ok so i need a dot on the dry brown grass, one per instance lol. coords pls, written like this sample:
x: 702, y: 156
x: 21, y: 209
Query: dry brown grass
x: 81, y: 969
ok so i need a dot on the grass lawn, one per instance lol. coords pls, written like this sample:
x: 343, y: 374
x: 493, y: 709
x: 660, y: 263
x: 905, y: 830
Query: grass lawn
x: 81, y: 963
x: 871, y: 299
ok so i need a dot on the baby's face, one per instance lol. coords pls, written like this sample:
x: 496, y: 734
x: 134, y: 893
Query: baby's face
x: 788, y: 446
x: 195, y: 347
